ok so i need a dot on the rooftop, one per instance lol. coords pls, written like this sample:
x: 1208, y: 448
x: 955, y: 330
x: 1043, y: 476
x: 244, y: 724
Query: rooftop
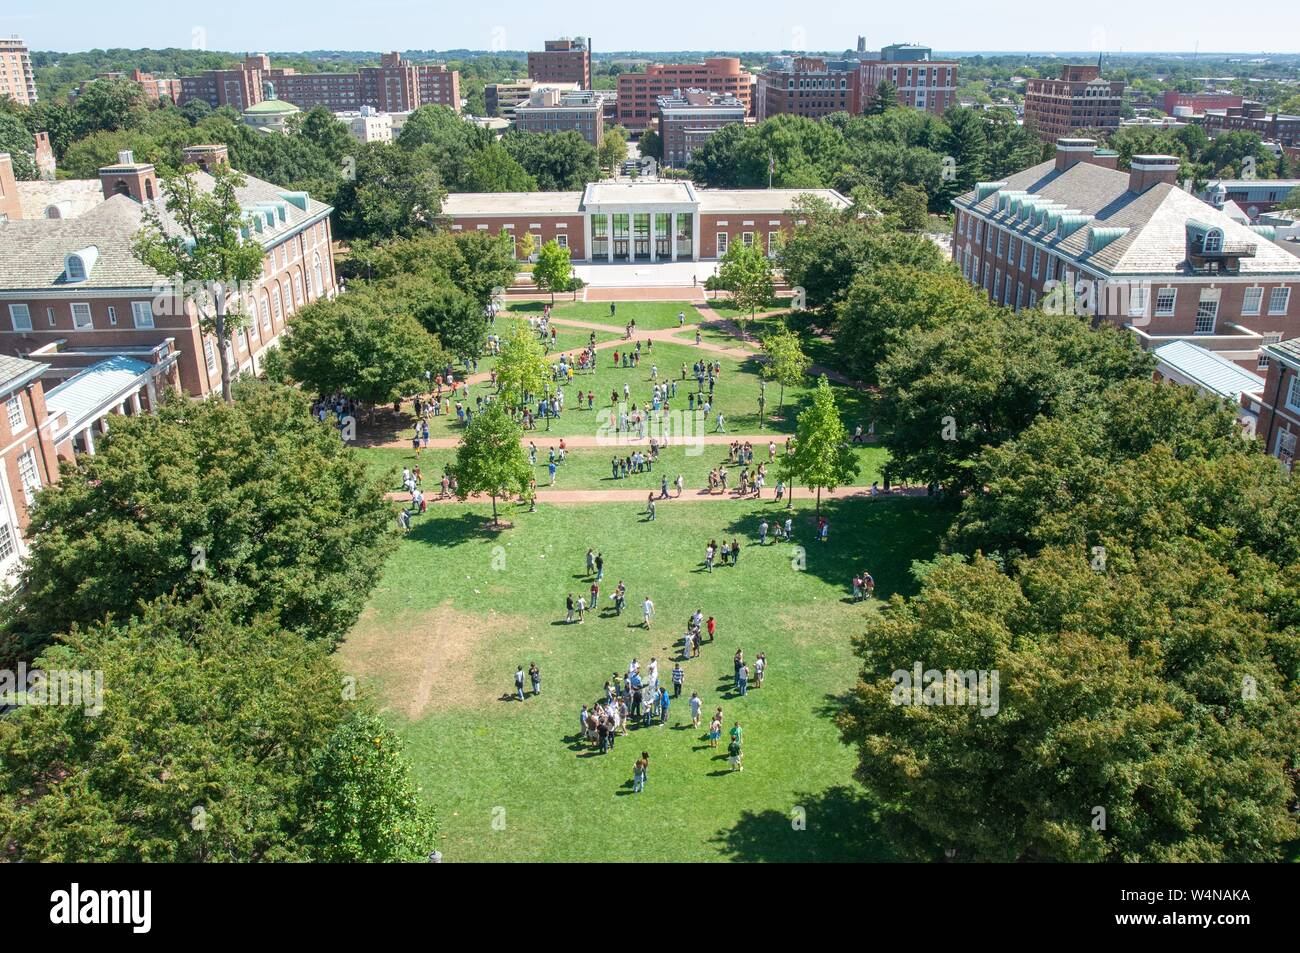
x: 85, y: 395
x: 17, y: 371
x: 1208, y: 370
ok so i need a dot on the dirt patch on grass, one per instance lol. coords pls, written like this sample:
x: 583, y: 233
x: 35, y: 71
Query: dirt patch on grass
x: 424, y: 661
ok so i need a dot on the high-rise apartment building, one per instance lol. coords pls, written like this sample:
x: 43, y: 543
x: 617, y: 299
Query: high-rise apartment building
x: 17, y: 81
x: 638, y: 93
x: 566, y: 60
x: 1077, y: 100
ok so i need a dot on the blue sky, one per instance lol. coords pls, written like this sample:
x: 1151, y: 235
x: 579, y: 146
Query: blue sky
x: 240, y: 25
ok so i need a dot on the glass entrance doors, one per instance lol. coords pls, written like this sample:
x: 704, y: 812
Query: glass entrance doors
x: 641, y: 234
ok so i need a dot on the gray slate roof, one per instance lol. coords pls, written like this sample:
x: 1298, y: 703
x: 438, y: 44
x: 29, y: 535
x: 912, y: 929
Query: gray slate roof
x: 1156, y: 241
x: 33, y: 251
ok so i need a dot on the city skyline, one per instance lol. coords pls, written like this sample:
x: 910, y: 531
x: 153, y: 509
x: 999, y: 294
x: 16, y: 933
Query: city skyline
x: 1109, y: 26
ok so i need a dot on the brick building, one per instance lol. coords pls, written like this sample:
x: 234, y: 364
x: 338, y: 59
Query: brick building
x: 808, y: 86
x: 153, y: 87
x: 1078, y: 99
x: 639, y: 93
x: 923, y: 82
x: 689, y: 117
x: 1195, y: 104
x: 395, y: 85
x: 73, y: 293
x: 1279, y: 416
x: 17, y: 80
x: 551, y: 110
x: 1254, y: 117
x: 637, y: 221
x: 1131, y: 248
x: 564, y: 60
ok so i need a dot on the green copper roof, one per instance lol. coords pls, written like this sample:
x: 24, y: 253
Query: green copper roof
x: 270, y: 107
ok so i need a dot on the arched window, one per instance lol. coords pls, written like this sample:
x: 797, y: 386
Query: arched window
x: 277, y: 305
x: 320, y: 278
x: 148, y: 189
x: 1213, y: 241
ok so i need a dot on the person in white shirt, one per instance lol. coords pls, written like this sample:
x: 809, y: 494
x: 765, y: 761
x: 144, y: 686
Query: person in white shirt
x: 647, y: 611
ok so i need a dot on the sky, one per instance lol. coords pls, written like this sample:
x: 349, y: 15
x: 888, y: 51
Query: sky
x: 945, y: 25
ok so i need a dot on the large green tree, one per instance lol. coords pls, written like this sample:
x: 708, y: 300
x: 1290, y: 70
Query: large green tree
x: 821, y: 459
x: 490, y: 458
x: 254, y: 500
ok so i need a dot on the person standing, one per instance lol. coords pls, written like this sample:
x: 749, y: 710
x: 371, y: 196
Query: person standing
x: 734, y: 753
x: 568, y: 605
x: 760, y: 666
x: 535, y: 676
x: 735, y: 552
x: 591, y: 561
x: 695, y: 709
x: 519, y: 683
x: 650, y: 509
x: 663, y: 706
x: 638, y: 770
x: 742, y: 680
x: 710, y: 625
x: 647, y: 612
x: 678, y: 677
x: 600, y: 567
x: 715, y: 729
x: 680, y: 483
x: 582, y: 608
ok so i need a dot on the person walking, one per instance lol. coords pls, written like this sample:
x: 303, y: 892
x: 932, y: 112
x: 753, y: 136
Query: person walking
x: 695, y: 709
x: 762, y: 532
x: 650, y: 508
x: 678, y: 677
x: 568, y: 605
x: 638, y: 776
x: 519, y: 683
x: 663, y: 706
x: 715, y: 729
x: 535, y: 676
x: 680, y: 483
x: 647, y: 612
x: 710, y: 625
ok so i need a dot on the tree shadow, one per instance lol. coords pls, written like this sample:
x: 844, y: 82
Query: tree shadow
x: 840, y: 824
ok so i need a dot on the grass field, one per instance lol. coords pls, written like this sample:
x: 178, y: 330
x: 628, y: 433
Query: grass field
x: 458, y: 608
x: 649, y: 315
x: 589, y: 469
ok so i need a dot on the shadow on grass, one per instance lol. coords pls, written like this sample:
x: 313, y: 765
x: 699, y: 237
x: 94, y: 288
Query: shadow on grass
x: 838, y: 825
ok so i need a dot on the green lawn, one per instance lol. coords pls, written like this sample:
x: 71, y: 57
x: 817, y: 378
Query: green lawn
x: 589, y: 469
x: 649, y: 315
x: 724, y: 309
x: 458, y: 608
x: 736, y: 394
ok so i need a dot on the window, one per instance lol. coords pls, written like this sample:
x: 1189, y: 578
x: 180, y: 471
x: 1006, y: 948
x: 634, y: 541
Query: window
x: 49, y: 316
x: 1278, y: 299
x: 999, y: 251
x: 81, y: 319
x: 297, y: 290
x: 562, y: 241
x: 76, y: 268
x: 1037, y: 256
x: 112, y: 315
x: 979, y: 232
x: 1262, y: 364
x: 1213, y: 241
x: 6, y: 540
x: 14, y: 411
x: 266, y: 313
x: 142, y: 314
x: 1286, y: 447
x: 1033, y: 298
x: 1006, y: 291
x: 21, y: 316
x: 1024, y: 255
x: 1051, y: 268
x: 1020, y: 295
x: 722, y: 244
x: 1138, y: 296
x: 209, y: 354
x: 1011, y: 251
x: 747, y: 239
x: 29, y: 475
x: 1166, y: 298
x: 1252, y: 301
x: 277, y: 308
x: 1293, y: 393
x: 1207, y: 311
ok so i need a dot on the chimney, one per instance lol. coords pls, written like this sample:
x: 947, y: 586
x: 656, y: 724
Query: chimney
x: 44, y: 157
x: 128, y: 177
x: 1071, y: 151
x: 206, y: 157
x: 1146, y: 171
x: 11, y: 207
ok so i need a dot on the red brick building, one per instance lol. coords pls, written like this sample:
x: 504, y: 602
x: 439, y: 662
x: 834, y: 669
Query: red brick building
x: 808, y: 86
x: 1131, y: 248
x: 923, y: 82
x: 562, y: 61
x: 395, y: 85
x: 1254, y: 117
x: 1196, y: 104
x: 688, y: 118
x: 637, y: 221
x: 1279, y: 417
x: 1078, y: 99
x: 638, y: 93
x: 153, y: 87
x: 70, y: 284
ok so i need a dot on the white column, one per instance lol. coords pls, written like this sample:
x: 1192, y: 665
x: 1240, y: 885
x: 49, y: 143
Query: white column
x: 609, y: 236
x: 672, y: 239
x: 136, y: 407
x: 152, y: 390
x: 653, y: 216
x: 89, y: 440
x: 586, y: 236
x: 695, y: 236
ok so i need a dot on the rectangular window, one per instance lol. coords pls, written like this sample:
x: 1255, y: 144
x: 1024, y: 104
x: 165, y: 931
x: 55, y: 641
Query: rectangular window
x: 1278, y: 299
x: 997, y: 285
x: 14, y: 411
x: 29, y: 475
x: 1037, y: 257
x: 7, y: 547
x: 1011, y: 251
x: 1000, y: 236
x: 21, y: 316
x: 112, y: 315
x: 722, y: 244
x: 1293, y: 394
x: 210, y: 354
x: 142, y: 314
x: 1262, y: 364
x: 1166, y: 298
x: 1051, y: 268
x: 1252, y: 301
x: 81, y: 319
x: 562, y: 241
x: 1006, y: 291
x: 747, y: 239
x: 1024, y: 255
x: 979, y: 232
x: 1207, y: 311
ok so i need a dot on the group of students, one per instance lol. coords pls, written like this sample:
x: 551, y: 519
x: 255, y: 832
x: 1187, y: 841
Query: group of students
x: 727, y: 554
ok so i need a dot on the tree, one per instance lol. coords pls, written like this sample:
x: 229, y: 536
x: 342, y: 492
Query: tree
x: 254, y: 499
x: 909, y: 205
x: 348, y: 345
x: 967, y: 143
x: 1127, y: 686
x: 786, y: 361
x: 109, y: 105
x: 493, y: 169
x: 559, y: 161
x: 822, y: 458
x: 553, y: 270
x: 205, y: 252
x: 364, y: 806
x: 521, y: 367
x: 322, y: 129
x: 207, y: 728
x: 1292, y: 200
x: 612, y: 151
x: 490, y: 458
x: 453, y: 316
x: 747, y: 273
x: 392, y: 193
x: 18, y: 142
x: 651, y: 145
x: 884, y: 99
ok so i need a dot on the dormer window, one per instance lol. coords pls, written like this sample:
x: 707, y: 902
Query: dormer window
x: 79, y: 265
x: 1213, y: 241
x: 76, y: 268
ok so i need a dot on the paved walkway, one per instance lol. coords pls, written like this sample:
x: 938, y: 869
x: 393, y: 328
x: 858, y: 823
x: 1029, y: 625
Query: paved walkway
x: 560, y: 495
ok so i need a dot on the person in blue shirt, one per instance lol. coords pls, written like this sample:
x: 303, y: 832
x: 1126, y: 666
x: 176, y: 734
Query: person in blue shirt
x: 663, y: 705
x: 551, y: 468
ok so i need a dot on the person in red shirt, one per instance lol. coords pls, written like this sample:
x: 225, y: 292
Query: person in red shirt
x: 711, y: 626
